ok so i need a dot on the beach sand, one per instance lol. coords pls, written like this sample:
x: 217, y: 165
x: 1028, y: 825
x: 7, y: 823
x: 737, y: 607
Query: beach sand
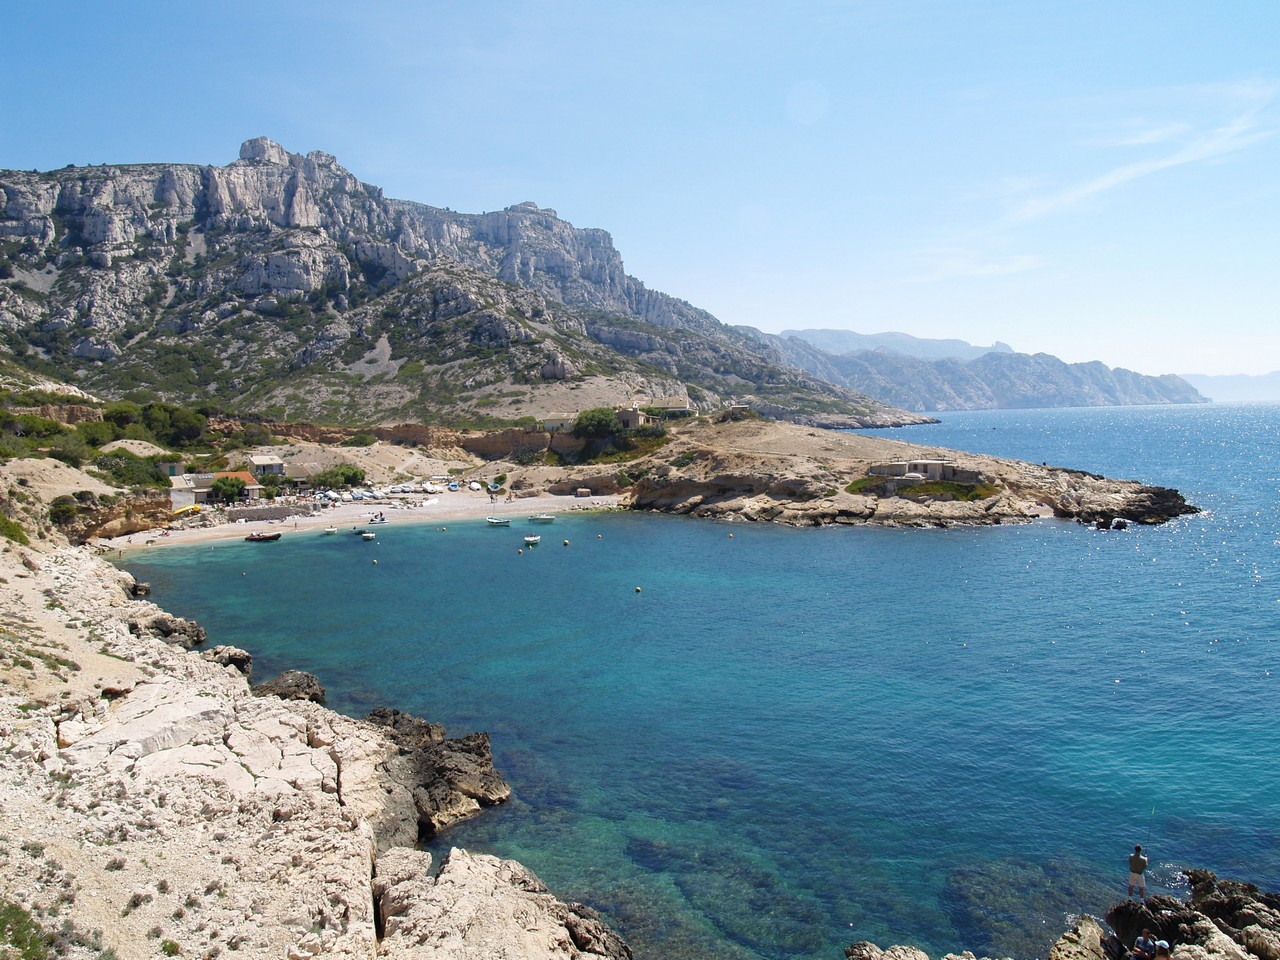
x: 463, y: 506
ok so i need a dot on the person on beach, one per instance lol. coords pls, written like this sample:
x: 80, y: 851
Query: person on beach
x: 1144, y: 948
x: 1137, y: 872
x: 1162, y: 950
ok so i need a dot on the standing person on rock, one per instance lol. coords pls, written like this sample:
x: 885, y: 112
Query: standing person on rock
x: 1137, y: 872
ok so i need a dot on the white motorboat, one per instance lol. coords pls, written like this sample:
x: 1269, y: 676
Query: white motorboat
x: 532, y: 540
x: 498, y: 521
x: 543, y: 518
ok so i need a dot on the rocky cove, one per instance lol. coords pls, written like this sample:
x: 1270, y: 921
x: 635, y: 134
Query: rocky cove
x: 151, y: 797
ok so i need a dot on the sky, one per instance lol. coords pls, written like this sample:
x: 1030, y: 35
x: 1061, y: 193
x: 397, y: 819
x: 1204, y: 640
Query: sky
x: 1093, y: 180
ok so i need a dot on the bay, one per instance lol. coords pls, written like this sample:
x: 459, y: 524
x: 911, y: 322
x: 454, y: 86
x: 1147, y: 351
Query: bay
x: 788, y: 740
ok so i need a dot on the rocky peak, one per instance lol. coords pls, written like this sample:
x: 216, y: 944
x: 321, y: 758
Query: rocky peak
x: 265, y: 150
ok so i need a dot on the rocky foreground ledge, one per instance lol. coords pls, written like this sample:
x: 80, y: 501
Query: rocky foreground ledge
x: 1223, y: 920
x: 151, y: 804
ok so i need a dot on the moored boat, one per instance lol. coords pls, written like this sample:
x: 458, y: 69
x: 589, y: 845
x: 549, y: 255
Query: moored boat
x: 256, y: 537
x: 543, y: 518
x: 330, y: 530
x: 533, y: 540
x: 498, y: 521
x: 368, y: 535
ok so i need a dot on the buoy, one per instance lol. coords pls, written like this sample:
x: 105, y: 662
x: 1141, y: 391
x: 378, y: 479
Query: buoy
x: 242, y: 573
x: 566, y: 543
x: 520, y: 550
x: 731, y: 536
x: 637, y: 589
x: 599, y: 536
x: 375, y: 563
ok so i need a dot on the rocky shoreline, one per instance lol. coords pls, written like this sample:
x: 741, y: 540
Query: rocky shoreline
x: 151, y: 802
x: 150, y: 799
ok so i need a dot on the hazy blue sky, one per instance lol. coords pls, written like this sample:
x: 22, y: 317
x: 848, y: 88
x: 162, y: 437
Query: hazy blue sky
x: 1096, y: 180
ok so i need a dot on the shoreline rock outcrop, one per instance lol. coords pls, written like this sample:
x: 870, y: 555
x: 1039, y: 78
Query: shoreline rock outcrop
x: 1223, y: 920
x: 775, y: 472
x: 159, y: 801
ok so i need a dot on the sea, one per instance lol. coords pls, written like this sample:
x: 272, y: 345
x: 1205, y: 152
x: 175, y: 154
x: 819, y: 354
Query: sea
x: 754, y: 741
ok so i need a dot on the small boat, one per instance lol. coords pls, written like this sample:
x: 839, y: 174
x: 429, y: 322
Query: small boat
x: 533, y: 540
x: 262, y: 537
x: 330, y: 530
x: 454, y: 487
x: 368, y: 535
x: 498, y: 521
x: 473, y: 485
x: 378, y: 520
x: 543, y: 518
x: 494, y: 487
x: 432, y: 488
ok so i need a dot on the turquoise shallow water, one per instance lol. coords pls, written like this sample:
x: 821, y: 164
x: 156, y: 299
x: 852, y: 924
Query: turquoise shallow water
x: 793, y: 739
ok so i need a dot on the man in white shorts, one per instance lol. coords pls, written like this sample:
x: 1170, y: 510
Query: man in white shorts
x: 1137, y: 872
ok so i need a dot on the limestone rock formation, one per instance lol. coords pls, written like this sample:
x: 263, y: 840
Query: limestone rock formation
x: 291, y: 685
x: 480, y: 907
x: 171, y: 629
x: 257, y: 282
x: 777, y: 472
x: 1224, y: 920
x: 159, y: 802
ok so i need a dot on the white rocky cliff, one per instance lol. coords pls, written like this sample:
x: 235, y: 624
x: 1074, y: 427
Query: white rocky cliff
x: 150, y: 803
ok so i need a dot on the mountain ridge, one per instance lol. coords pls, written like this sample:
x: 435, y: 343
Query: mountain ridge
x: 985, y: 380
x: 283, y: 282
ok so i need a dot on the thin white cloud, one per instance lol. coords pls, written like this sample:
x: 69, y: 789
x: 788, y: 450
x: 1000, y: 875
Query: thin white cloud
x: 1239, y: 133
x: 1145, y: 134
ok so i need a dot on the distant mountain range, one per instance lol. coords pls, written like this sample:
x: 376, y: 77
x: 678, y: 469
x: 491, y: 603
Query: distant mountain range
x: 936, y: 375
x: 846, y: 341
x: 1240, y: 387
x: 281, y: 286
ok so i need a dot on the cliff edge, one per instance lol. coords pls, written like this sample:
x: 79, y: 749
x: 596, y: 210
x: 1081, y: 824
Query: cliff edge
x: 150, y: 803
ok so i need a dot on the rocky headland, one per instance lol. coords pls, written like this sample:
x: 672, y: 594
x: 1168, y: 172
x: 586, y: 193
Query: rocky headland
x: 771, y: 471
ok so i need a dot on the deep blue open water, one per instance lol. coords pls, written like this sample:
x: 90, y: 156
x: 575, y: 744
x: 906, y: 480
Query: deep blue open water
x: 790, y: 740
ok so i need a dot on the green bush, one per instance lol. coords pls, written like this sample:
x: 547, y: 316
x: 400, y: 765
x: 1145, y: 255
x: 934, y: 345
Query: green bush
x: 126, y: 470
x: 596, y: 422
x: 360, y: 440
x: 10, y: 529
x: 342, y: 475
x: 63, y: 511
x: 252, y: 435
x: 122, y: 413
x: 70, y: 448
x: 98, y: 433
x: 21, y: 937
x: 227, y: 488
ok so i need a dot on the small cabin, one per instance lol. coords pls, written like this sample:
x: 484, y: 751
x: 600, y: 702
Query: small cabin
x: 263, y: 464
x: 558, y: 422
x: 917, y: 470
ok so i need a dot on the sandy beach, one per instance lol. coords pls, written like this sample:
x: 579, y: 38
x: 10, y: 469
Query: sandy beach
x: 449, y: 507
